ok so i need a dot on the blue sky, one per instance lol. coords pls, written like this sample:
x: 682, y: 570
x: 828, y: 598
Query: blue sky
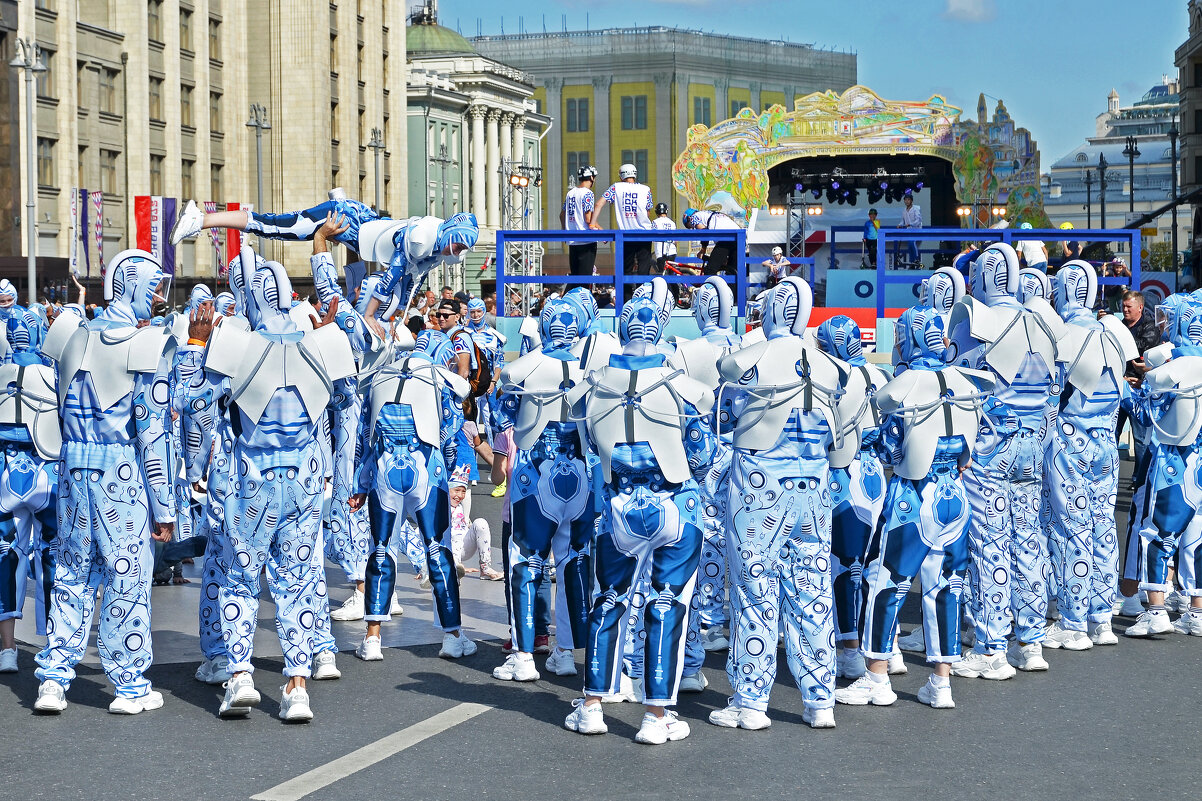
x: 1052, y: 61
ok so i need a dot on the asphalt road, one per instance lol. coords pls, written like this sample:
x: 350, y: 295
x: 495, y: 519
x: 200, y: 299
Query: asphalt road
x: 1115, y: 723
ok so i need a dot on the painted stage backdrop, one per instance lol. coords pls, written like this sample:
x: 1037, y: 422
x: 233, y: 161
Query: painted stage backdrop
x: 994, y: 162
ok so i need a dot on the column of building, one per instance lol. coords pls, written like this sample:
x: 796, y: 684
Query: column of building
x: 755, y: 97
x: 601, y: 85
x: 493, y: 167
x: 555, y: 157
x: 507, y: 139
x: 478, y: 164
x: 664, y: 152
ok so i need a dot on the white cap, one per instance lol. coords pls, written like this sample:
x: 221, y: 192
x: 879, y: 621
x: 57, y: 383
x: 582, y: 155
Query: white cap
x: 628, y: 171
x: 777, y: 251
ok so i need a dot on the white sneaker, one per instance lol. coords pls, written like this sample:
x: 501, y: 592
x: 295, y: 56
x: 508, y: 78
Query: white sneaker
x: 865, y: 690
x: 394, y: 606
x: 52, y: 698
x: 294, y: 706
x: 978, y: 665
x: 897, y: 665
x: 1189, y: 623
x: 657, y: 731
x: 936, y: 697
x: 214, y: 671
x: 1150, y: 623
x: 517, y: 667
x: 915, y: 641
x: 453, y: 647
x: 188, y: 224
x: 1102, y: 634
x: 628, y: 692
x: 562, y: 662
x: 369, y: 650
x: 586, y: 718
x: 1027, y: 658
x: 8, y: 660
x: 151, y: 699
x: 734, y: 716
x: 1177, y: 602
x: 325, y: 667
x: 351, y: 609
x: 695, y: 683
x: 1131, y: 607
x: 818, y: 718
x: 715, y: 638
x: 240, y: 697
x: 1057, y: 636
x: 849, y: 664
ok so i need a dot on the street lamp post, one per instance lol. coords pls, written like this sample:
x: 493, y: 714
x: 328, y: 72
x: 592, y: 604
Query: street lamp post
x: 1102, y: 165
x: 1088, y: 177
x: 377, y: 144
x: 258, y: 121
x: 1131, y: 151
x: 1173, y: 132
x: 28, y: 58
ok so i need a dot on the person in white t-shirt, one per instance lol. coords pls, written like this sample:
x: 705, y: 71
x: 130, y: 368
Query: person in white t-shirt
x: 631, y: 201
x: 721, y: 254
x: 577, y: 215
x: 1032, y: 251
x: 664, y: 251
x: 911, y: 218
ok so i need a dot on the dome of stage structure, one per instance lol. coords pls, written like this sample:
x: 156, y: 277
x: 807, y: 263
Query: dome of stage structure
x: 425, y: 36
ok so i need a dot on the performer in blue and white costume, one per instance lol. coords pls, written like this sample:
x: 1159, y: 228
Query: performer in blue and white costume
x: 276, y: 382
x: 554, y: 500
x: 1081, y: 468
x: 492, y: 342
x: 941, y: 290
x: 990, y: 330
x: 930, y: 416
x: 113, y: 382
x: 857, y: 491
x: 1166, y: 511
x: 414, y: 407
x: 712, y: 304
x: 1033, y: 284
x: 787, y: 434
x: 29, y: 480
x: 649, y: 424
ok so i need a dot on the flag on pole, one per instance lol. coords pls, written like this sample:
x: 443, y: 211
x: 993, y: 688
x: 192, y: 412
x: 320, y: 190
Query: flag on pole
x: 142, y: 225
x: 83, y: 230
x: 165, y: 221
x: 98, y: 207
x: 73, y: 253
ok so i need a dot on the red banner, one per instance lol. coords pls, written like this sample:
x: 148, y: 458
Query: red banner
x: 142, y: 222
x: 233, y: 237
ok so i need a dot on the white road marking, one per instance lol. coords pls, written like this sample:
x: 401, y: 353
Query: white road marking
x: 370, y: 754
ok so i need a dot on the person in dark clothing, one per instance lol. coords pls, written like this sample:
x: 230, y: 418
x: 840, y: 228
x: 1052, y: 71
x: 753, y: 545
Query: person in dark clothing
x: 1142, y: 325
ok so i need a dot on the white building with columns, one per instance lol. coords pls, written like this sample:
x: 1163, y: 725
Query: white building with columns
x: 472, y: 123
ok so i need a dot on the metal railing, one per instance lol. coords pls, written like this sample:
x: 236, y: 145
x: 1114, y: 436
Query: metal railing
x: 1007, y: 235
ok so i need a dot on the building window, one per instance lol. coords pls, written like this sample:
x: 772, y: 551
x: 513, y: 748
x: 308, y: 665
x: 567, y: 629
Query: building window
x: 215, y: 183
x: 577, y: 115
x: 362, y: 116
x: 154, y: 20
x: 214, y: 39
x: 108, y: 171
x: 634, y: 113
x: 215, y: 112
x: 156, y: 175
x: 701, y: 111
x: 333, y: 52
x: 81, y: 172
x: 185, y: 179
x: 45, y: 80
x: 538, y: 106
x: 108, y: 91
x: 334, y: 121
x: 45, y: 162
x: 736, y: 106
x: 576, y: 161
x: 359, y: 63
x: 639, y: 159
x: 185, y: 29
x: 384, y: 68
x: 185, y: 106
x: 1198, y: 74
x: 156, y: 98
x: 44, y: 5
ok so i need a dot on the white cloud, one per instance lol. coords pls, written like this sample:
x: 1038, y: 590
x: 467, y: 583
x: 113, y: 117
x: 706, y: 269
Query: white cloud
x: 970, y: 10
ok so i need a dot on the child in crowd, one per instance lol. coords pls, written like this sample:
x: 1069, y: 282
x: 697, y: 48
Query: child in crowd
x: 469, y: 537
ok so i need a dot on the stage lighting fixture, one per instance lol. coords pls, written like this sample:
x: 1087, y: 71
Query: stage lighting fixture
x: 777, y: 211
x: 834, y: 184
x: 817, y: 193
x: 918, y: 186
x: 814, y: 211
